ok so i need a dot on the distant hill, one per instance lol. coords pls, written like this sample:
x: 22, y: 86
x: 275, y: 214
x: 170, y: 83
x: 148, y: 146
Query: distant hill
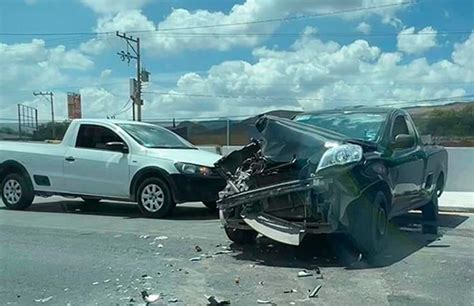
x: 215, y: 132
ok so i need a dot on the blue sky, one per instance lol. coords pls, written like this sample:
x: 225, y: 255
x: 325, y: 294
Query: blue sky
x: 370, y: 56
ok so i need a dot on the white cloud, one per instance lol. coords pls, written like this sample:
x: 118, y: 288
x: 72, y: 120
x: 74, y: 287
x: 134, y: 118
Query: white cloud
x: 113, y: 6
x: 226, y: 37
x: 464, y: 52
x: 314, y: 74
x: 364, y: 27
x: 409, y: 41
x: 27, y: 67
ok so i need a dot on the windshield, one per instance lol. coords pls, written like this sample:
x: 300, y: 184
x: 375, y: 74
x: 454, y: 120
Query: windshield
x: 365, y: 126
x: 152, y: 136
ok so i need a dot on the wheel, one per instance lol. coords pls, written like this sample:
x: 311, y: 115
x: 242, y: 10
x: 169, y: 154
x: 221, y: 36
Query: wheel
x: 430, y: 210
x: 240, y: 236
x: 211, y: 205
x: 17, y: 192
x: 369, y: 228
x: 154, y: 198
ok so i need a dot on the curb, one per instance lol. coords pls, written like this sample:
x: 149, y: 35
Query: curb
x: 456, y: 209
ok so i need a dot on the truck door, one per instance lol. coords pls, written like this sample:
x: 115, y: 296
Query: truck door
x: 407, y: 167
x: 92, y: 169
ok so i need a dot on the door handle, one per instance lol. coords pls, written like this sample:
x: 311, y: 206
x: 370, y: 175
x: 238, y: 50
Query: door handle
x: 70, y: 159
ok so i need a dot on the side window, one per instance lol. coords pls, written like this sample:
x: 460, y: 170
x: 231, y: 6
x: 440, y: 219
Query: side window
x: 399, y: 127
x: 95, y: 137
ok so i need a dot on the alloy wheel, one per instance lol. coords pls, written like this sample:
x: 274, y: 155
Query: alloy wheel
x: 12, y: 191
x: 152, y: 198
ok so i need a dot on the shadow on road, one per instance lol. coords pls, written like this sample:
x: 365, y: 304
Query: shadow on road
x: 405, y: 238
x: 120, y: 209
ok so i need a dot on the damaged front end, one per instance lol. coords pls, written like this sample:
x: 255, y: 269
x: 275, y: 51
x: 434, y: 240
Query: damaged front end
x: 298, y: 179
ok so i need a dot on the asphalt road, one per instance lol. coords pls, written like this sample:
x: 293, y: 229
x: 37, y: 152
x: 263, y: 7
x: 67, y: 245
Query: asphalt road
x: 58, y: 253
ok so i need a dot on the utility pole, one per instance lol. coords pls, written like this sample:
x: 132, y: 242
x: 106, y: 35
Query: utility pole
x: 50, y: 94
x: 134, y: 44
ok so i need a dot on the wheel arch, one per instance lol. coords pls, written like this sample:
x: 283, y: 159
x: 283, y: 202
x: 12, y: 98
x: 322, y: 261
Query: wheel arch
x: 441, y: 176
x: 13, y: 166
x: 382, y: 186
x: 148, y: 172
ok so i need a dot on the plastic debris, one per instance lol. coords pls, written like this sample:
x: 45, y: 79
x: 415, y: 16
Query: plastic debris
x: 222, y: 252
x: 173, y: 300
x: 44, y: 300
x: 264, y: 302
x: 150, y: 298
x: 107, y: 280
x: 290, y: 291
x: 195, y: 259
x: 237, y: 280
x: 66, y: 289
x: 144, y: 236
x: 304, y: 273
x: 95, y: 283
x: 145, y: 276
x: 359, y: 258
x: 160, y: 246
x: 315, y: 291
x: 161, y: 238
x: 212, y: 301
x: 261, y: 283
x: 198, y: 248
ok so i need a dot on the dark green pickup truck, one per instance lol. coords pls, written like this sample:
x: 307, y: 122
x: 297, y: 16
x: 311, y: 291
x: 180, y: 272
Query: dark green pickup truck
x: 348, y: 170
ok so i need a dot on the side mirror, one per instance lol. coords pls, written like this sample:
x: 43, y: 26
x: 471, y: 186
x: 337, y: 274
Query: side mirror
x: 117, y: 146
x: 403, y: 141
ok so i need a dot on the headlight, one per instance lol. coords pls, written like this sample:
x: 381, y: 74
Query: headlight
x: 192, y: 169
x: 340, y: 155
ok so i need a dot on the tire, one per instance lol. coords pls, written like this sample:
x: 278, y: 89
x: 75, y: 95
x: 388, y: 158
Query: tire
x: 211, y: 205
x: 430, y: 210
x: 154, y: 198
x: 17, y: 192
x: 240, y: 236
x: 369, y: 228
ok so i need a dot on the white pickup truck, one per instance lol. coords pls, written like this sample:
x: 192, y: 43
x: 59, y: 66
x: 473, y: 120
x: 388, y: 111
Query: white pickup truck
x: 108, y: 159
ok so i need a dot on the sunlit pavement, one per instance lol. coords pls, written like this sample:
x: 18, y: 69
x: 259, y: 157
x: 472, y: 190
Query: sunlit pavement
x: 57, y: 253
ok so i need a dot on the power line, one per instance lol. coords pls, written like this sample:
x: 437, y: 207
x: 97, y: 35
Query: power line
x: 195, y: 95
x: 283, y: 19
x: 271, y: 20
x: 335, y: 34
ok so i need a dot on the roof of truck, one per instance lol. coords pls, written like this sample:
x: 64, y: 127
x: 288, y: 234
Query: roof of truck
x: 113, y: 121
x: 369, y: 110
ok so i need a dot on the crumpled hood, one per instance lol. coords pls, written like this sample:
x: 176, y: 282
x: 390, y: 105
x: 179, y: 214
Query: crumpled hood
x: 285, y: 139
x: 282, y: 141
x: 197, y: 157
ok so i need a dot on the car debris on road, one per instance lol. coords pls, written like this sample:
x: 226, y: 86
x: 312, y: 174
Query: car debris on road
x: 304, y: 273
x: 315, y: 291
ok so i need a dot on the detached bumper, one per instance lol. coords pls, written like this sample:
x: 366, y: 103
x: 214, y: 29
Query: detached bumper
x: 193, y: 188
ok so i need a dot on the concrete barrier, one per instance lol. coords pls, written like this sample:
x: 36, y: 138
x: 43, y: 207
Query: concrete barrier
x: 460, y: 170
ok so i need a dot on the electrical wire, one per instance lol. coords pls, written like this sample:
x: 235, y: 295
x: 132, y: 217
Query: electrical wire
x: 271, y: 20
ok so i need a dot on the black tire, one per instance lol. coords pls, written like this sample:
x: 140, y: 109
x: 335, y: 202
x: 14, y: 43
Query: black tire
x: 211, y: 205
x: 161, y: 204
x: 24, y: 193
x: 369, y: 228
x: 430, y: 210
x: 240, y: 236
